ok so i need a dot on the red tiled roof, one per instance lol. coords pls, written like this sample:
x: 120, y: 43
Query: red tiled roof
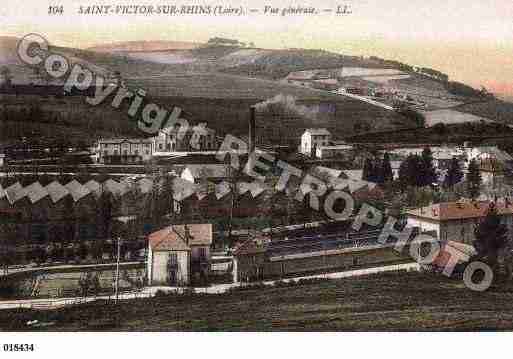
x: 459, y: 210
x: 173, y: 238
x: 201, y: 234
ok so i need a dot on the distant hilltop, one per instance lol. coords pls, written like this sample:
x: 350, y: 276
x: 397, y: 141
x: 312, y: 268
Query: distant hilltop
x: 145, y: 46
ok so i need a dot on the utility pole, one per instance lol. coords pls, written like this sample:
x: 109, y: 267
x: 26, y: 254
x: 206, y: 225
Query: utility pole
x: 117, y: 270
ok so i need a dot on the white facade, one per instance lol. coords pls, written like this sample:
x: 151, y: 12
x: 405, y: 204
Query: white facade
x: 2, y: 157
x: 168, y: 267
x: 313, y: 139
x: 124, y: 150
x: 199, y: 138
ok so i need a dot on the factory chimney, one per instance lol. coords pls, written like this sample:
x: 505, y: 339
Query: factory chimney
x: 252, y: 130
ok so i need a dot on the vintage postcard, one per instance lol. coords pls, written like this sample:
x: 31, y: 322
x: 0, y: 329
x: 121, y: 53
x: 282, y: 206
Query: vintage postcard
x: 254, y: 166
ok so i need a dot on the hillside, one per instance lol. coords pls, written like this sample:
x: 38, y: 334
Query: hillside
x: 494, y: 109
x: 144, y: 46
x: 386, y: 302
x: 217, y: 84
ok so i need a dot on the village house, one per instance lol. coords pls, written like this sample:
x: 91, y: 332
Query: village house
x: 456, y: 221
x: 200, y: 138
x: 179, y: 255
x: 313, y: 138
x: 124, y: 150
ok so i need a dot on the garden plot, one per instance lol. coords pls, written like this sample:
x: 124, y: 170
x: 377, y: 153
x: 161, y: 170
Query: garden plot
x: 364, y: 72
x: 164, y: 57
x: 450, y: 117
x: 385, y: 79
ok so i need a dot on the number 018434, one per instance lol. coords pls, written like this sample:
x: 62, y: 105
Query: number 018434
x: 18, y: 347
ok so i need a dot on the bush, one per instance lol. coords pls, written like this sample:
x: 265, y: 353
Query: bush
x: 161, y: 294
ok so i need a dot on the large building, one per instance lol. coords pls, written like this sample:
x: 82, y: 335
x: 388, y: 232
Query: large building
x: 124, y: 150
x: 38, y: 215
x: 313, y: 138
x: 200, y: 138
x: 262, y: 258
x: 340, y: 151
x: 456, y: 221
x: 179, y: 255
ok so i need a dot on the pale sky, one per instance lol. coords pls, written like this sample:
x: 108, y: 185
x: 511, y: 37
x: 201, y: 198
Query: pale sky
x: 471, y: 40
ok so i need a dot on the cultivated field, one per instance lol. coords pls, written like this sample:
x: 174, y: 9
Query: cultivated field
x: 394, y: 301
x: 450, y: 117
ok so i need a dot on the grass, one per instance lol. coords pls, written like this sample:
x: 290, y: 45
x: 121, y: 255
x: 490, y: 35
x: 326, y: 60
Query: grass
x: 393, y: 301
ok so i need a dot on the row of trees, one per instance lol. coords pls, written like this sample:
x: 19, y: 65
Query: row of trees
x: 55, y: 252
x: 418, y: 171
x: 378, y: 171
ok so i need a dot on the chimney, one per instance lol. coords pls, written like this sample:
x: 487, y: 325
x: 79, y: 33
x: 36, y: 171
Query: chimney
x: 252, y: 130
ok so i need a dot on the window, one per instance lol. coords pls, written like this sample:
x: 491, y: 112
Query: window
x: 125, y: 152
x: 160, y: 146
x: 202, y: 253
x: 173, y: 260
x: 116, y: 152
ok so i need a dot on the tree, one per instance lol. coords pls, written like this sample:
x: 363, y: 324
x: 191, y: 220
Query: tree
x: 474, y: 179
x: 368, y: 169
x: 386, y: 169
x: 491, y: 236
x: 5, y: 76
x: 410, y: 173
x: 105, y: 207
x: 454, y: 174
x: 428, y: 174
x: 86, y: 283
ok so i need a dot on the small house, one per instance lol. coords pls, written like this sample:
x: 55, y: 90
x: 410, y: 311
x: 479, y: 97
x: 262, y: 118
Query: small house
x: 313, y: 138
x: 179, y: 255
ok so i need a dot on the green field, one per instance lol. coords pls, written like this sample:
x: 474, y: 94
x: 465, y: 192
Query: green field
x: 393, y: 301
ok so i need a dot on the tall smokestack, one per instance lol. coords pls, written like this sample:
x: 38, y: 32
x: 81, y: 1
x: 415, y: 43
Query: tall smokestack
x: 252, y: 129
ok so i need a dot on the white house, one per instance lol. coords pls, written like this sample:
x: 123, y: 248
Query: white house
x: 179, y: 254
x: 124, y: 150
x: 456, y: 221
x: 2, y: 158
x: 199, y: 138
x: 313, y: 138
